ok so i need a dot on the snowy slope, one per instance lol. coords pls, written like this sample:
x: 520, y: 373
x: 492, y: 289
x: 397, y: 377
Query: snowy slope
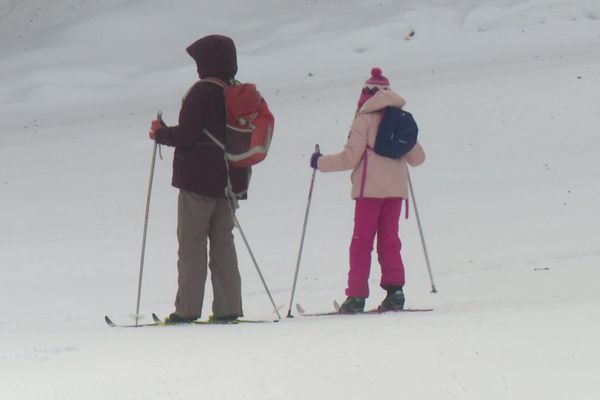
x: 506, y: 95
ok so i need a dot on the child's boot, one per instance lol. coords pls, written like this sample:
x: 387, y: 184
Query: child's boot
x: 352, y: 305
x: 394, y: 300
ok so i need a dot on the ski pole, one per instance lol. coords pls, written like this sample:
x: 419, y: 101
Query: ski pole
x: 312, y: 183
x: 262, y: 278
x: 412, y: 194
x: 139, y: 291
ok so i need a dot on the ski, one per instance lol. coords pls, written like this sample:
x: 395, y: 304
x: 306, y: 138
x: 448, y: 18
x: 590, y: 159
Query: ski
x: 409, y: 310
x: 336, y: 305
x: 302, y: 312
x: 110, y: 323
x: 210, y: 321
x: 379, y: 310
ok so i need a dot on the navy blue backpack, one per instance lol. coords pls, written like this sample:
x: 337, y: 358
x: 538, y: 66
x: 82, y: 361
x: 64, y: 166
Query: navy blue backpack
x: 397, y: 133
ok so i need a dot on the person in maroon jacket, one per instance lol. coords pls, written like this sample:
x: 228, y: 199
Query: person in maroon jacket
x: 205, y: 213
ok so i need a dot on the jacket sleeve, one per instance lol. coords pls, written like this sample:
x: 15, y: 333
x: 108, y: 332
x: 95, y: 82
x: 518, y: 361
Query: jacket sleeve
x: 416, y: 156
x: 353, y: 151
x: 189, y: 131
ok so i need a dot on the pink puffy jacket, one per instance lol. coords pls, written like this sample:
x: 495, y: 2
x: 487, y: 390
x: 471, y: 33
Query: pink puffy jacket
x: 385, y: 177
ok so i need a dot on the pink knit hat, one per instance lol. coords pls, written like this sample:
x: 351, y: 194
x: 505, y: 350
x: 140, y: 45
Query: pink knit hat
x: 372, y: 85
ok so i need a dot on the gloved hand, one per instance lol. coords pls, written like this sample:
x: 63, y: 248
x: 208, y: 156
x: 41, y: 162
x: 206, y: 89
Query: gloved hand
x: 154, y: 127
x: 314, y: 159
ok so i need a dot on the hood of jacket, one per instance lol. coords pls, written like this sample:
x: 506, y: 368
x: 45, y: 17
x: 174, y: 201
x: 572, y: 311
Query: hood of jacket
x: 381, y: 100
x: 215, y: 56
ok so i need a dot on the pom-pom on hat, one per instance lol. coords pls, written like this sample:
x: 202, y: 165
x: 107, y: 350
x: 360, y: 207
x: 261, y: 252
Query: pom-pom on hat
x: 372, y: 85
x: 377, y: 80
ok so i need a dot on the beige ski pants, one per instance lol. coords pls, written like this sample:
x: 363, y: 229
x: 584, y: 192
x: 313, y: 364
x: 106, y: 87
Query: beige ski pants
x: 203, y: 221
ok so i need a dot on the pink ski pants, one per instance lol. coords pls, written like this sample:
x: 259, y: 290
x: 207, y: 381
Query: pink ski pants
x: 372, y: 217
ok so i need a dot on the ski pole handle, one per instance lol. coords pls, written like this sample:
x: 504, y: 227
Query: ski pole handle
x: 162, y: 123
x: 159, y: 118
x: 314, y: 157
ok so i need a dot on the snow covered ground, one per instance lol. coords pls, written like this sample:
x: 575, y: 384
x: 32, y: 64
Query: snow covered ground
x: 506, y: 93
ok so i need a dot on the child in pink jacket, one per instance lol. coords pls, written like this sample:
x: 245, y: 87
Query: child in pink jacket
x: 379, y: 187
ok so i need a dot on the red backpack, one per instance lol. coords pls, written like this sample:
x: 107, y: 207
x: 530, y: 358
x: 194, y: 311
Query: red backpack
x: 249, y: 124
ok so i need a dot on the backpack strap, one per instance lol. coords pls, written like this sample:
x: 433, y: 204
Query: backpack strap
x: 223, y: 85
x: 215, y: 81
x: 218, y: 82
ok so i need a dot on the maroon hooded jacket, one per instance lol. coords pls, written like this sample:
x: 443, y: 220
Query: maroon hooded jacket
x: 199, y: 165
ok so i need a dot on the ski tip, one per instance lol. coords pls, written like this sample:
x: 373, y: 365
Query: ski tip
x: 300, y: 309
x: 156, y: 318
x: 109, y: 321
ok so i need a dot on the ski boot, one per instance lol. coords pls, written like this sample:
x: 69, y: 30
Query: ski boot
x: 394, y: 300
x: 352, y: 305
x: 176, y: 319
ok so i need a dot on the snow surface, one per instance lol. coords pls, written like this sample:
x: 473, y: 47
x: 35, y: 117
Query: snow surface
x: 507, y: 95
